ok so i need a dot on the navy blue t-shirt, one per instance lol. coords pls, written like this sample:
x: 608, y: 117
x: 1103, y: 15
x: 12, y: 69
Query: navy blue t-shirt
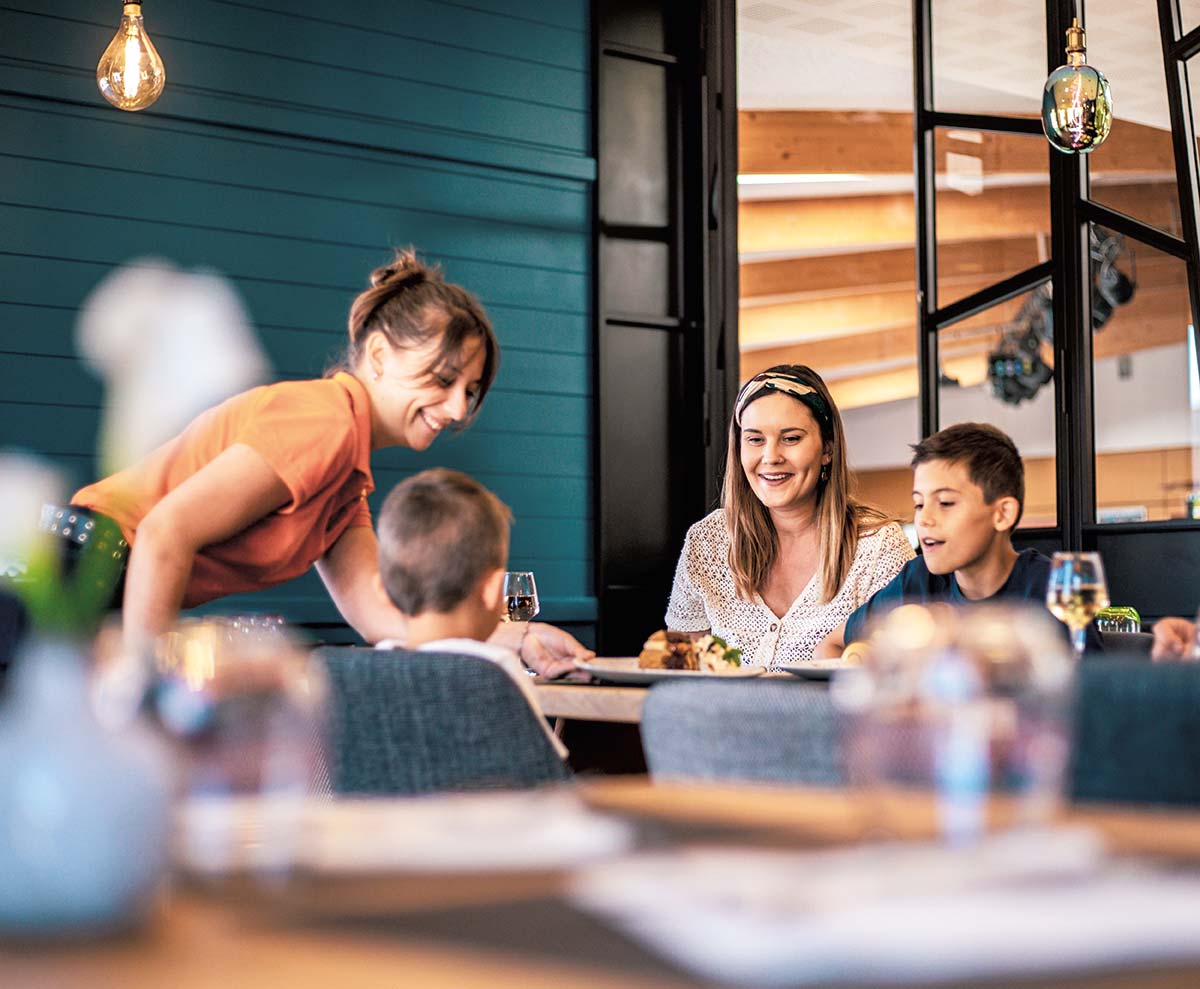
x: 916, y: 585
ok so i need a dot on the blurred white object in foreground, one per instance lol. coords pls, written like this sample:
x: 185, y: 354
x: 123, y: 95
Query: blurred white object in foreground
x: 1018, y: 905
x: 168, y: 344
x: 499, y: 831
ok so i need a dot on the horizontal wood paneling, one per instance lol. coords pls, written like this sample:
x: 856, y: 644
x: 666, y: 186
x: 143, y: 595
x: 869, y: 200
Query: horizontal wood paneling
x: 302, y: 72
x: 297, y: 143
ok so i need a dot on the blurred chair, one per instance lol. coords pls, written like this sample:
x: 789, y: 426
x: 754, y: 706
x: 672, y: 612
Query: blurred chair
x: 1137, y: 732
x: 779, y: 731
x: 1127, y: 643
x: 406, y: 722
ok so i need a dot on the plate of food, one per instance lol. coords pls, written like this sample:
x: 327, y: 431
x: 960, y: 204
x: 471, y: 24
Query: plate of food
x: 823, y: 669
x: 673, y: 655
x: 817, y: 669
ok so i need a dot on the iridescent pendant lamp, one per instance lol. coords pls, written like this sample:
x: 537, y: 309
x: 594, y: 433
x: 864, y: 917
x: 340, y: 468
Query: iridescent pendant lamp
x: 1077, y: 103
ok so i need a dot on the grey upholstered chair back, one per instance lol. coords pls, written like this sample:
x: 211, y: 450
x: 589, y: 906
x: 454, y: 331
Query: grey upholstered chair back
x: 781, y: 731
x: 407, y: 722
x: 1137, y: 732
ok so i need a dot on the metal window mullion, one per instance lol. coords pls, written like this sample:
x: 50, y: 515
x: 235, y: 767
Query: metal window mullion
x: 1122, y: 223
x: 1183, y: 140
x: 993, y: 295
x: 924, y: 174
x: 1075, y: 462
x: 986, y: 121
x: 1187, y: 45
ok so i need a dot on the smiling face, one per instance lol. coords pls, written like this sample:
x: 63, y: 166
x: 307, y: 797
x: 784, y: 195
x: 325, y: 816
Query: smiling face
x: 412, y: 404
x: 956, y: 527
x: 781, y: 451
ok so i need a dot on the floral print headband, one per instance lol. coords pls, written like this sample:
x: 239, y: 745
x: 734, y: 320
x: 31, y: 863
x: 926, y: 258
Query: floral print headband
x: 788, y: 384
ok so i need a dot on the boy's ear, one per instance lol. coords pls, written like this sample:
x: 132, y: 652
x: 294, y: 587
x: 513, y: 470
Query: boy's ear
x: 1005, y: 511
x: 490, y: 589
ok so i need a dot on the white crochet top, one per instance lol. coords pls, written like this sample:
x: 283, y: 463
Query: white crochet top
x: 704, y: 596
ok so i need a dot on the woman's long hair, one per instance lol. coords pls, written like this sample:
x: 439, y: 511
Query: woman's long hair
x: 841, y: 518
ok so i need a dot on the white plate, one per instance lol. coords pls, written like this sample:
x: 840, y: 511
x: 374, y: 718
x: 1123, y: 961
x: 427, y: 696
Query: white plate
x: 625, y: 669
x: 817, y: 669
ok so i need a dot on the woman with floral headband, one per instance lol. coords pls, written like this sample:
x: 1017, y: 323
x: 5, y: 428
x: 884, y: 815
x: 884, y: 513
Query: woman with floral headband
x: 790, y: 553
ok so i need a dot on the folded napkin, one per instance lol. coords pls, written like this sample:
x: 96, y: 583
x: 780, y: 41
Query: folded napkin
x: 1033, y: 903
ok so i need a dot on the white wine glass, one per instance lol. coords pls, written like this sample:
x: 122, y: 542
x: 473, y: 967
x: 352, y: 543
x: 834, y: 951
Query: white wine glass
x: 520, y: 597
x: 1076, y: 592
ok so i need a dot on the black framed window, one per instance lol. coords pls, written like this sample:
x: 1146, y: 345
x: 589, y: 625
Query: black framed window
x: 1115, y: 296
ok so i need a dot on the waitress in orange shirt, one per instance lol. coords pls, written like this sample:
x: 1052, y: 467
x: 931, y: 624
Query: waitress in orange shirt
x: 256, y: 490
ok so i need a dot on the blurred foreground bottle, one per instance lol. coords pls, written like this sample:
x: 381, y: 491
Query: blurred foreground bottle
x: 84, y: 808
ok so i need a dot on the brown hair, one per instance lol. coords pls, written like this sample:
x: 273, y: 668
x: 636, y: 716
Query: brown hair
x: 410, y: 303
x: 992, y: 460
x: 440, y: 533
x: 841, y: 518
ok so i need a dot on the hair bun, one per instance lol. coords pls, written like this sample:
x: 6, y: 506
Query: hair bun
x: 405, y: 271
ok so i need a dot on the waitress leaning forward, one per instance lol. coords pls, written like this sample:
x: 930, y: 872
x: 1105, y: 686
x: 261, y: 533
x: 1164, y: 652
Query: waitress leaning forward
x: 255, y: 491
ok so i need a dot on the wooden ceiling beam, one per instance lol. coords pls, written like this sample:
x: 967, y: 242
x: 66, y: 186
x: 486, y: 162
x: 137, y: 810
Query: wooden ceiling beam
x: 868, y: 269
x: 818, y: 226
x: 1156, y: 317
x: 876, y: 143
x: 849, y: 315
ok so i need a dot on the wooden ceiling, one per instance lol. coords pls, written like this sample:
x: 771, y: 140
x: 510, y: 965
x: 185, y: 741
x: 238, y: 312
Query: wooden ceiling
x: 829, y: 281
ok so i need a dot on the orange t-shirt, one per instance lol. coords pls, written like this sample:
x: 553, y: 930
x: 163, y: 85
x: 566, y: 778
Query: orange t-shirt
x: 316, y: 435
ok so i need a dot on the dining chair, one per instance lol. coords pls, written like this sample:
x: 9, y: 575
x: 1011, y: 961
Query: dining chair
x: 779, y: 731
x: 406, y: 722
x: 1137, y: 732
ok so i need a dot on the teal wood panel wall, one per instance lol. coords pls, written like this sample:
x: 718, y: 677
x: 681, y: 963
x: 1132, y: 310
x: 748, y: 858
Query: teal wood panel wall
x: 295, y: 144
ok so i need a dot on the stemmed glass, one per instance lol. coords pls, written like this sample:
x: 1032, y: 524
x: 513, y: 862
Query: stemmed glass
x: 520, y: 596
x: 1076, y: 592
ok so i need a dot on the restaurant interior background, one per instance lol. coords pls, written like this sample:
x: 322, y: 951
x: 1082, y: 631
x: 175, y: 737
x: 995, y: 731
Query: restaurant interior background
x: 572, y: 163
x: 829, y: 273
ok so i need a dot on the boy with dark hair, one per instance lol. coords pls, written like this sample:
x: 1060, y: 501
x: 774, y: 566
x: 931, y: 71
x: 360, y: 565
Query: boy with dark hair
x: 443, y: 545
x: 968, y: 496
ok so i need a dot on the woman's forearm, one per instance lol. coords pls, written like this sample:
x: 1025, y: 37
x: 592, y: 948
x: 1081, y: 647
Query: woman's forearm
x: 154, y: 585
x: 350, y: 571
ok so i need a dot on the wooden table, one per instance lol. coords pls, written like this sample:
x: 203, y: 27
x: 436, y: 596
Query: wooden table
x: 496, y: 931
x: 591, y: 702
x: 603, y: 701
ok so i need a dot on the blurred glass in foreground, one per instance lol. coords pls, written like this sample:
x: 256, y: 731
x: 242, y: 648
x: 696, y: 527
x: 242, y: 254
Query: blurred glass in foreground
x: 246, y: 707
x: 969, y: 705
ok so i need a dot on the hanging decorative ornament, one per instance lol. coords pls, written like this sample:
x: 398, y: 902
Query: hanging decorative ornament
x: 130, y: 73
x: 1077, y: 103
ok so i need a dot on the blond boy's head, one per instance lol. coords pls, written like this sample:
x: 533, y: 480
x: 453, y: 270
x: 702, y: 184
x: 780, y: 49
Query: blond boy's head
x: 443, y: 543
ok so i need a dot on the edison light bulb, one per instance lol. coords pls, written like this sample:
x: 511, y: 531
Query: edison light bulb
x: 130, y: 73
x: 1076, y: 103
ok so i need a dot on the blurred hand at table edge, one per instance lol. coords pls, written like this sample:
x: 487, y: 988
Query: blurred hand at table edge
x: 546, y: 649
x: 832, y: 646
x: 1174, y: 638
